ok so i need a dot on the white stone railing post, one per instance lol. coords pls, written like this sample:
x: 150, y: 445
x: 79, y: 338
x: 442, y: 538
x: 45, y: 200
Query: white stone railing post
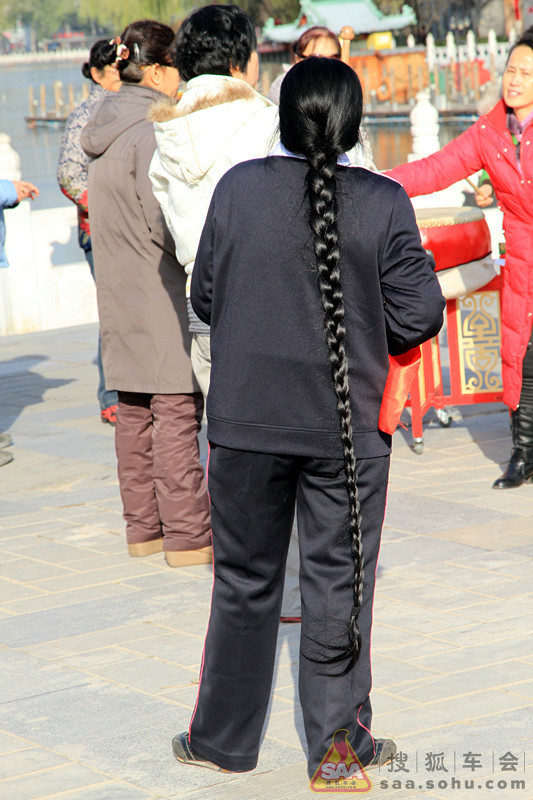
x: 424, y: 119
x: 451, y: 49
x: 430, y: 52
x: 9, y: 160
x: 38, y: 290
x: 471, y: 52
x: 492, y: 44
x: 17, y: 282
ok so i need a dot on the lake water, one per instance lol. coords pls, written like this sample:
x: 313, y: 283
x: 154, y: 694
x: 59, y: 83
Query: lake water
x: 38, y: 149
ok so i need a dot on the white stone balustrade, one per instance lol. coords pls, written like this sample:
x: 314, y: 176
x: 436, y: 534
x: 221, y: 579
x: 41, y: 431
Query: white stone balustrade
x: 48, y: 283
x: 492, y: 53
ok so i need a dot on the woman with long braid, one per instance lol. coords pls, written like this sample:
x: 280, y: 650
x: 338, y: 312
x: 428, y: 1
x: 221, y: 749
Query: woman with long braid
x: 309, y: 274
x: 323, y: 223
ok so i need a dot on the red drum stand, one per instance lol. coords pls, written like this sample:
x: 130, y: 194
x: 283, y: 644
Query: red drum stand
x: 472, y: 327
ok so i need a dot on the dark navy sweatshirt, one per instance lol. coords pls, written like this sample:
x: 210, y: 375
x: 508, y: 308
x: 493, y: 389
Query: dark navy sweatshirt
x: 255, y: 283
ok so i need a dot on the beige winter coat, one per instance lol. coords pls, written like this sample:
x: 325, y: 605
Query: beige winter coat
x: 140, y: 285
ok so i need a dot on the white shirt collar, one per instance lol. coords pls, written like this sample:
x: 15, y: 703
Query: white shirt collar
x: 281, y: 150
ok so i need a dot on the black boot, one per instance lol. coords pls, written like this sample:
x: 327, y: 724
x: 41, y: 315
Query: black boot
x: 520, y: 467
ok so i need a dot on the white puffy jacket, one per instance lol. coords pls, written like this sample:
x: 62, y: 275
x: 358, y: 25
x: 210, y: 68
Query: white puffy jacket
x: 219, y: 122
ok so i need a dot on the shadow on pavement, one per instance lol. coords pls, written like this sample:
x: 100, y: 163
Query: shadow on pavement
x: 21, y: 387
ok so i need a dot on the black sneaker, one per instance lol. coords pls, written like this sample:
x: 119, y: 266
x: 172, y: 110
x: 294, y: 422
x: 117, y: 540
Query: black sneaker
x: 184, y: 754
x: 385, y: 752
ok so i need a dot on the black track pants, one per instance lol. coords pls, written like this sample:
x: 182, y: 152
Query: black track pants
x: 253, y: 497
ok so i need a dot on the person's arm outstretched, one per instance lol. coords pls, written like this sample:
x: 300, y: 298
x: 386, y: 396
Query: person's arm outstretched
x: 459, y: 159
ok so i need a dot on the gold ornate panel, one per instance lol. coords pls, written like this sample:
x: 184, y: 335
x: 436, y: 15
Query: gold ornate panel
x: 478, y: 331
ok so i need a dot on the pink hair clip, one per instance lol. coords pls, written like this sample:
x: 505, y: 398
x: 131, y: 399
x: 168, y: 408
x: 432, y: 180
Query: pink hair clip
x: 123, y: 52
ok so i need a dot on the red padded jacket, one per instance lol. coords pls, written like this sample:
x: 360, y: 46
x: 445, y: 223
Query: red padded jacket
x: 488, y: 144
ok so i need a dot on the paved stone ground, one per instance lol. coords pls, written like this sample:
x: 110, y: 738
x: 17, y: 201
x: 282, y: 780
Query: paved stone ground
x: 100, y: 653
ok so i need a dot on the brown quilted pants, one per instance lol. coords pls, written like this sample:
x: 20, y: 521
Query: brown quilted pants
x: 161, y: 479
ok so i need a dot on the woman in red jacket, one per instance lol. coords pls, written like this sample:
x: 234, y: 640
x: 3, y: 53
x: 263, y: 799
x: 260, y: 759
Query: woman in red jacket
x: 502, y: 143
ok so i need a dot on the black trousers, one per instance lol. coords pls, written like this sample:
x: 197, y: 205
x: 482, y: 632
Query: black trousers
x: 253, y: 498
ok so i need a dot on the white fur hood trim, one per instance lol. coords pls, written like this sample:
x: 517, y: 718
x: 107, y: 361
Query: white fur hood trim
x: 192, y: 134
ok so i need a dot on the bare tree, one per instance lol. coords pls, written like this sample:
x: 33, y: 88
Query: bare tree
x: 438, y: 13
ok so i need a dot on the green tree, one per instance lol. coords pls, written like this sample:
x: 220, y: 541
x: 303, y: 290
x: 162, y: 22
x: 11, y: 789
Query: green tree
x: 117, y: 14
x: 46, y: 17
x: 42, y: 17
x: 261, y: 10
x: 429, y: 12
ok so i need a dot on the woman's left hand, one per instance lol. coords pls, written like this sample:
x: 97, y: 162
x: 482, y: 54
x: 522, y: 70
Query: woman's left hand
x: 25, y: 189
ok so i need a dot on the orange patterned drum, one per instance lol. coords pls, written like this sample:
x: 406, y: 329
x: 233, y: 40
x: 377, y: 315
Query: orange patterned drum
x: 454, y: 235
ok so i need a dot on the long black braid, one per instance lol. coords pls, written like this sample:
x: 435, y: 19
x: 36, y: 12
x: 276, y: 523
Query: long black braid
x: 320, y: 115
x: 323, y: 223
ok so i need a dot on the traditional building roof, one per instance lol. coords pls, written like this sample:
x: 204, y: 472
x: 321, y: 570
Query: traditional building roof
x: 362, y: 15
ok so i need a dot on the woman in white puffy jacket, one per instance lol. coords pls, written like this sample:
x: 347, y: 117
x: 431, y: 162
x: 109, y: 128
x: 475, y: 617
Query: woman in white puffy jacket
x: 220, y: 121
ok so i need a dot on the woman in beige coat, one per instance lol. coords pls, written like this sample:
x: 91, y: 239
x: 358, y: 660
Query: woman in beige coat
x: 143, y: 316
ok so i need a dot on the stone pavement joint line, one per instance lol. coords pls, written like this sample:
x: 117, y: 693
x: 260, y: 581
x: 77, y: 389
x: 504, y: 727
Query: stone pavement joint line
x: 100, y: 653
